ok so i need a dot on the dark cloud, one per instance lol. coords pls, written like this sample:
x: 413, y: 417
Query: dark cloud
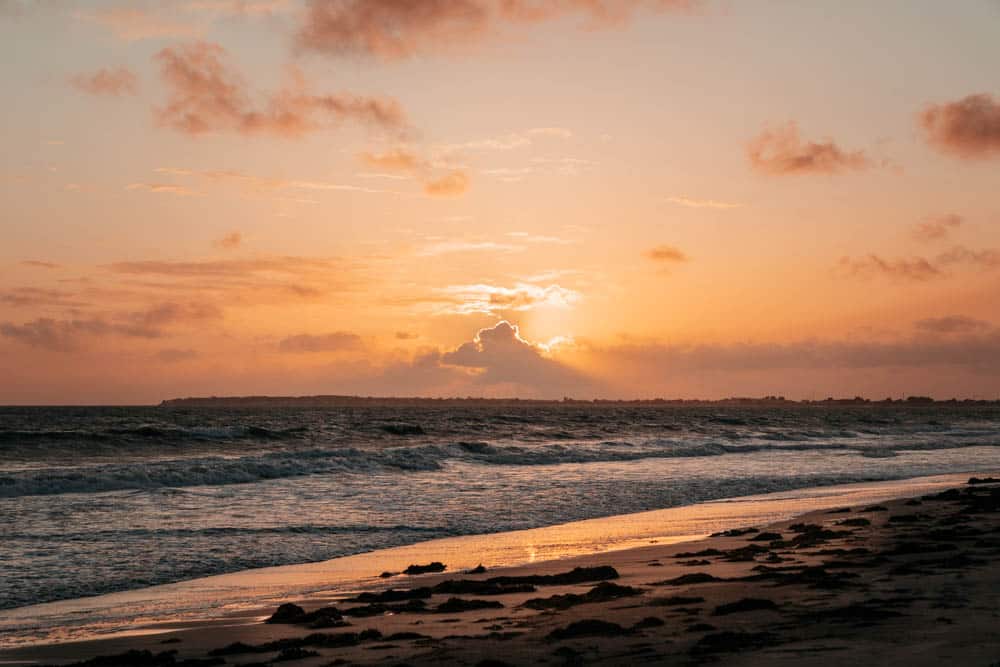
x: 499, y: 355
x: 331, y: 342
x: 394, y: 29
x: 937, y: 228
x: 968, y: 128
x: 951, y: 324
x: 783, y: 152
x: 107, y: 81
x: 406, y: 335
x: 666, y: 253
x: 205, y: 95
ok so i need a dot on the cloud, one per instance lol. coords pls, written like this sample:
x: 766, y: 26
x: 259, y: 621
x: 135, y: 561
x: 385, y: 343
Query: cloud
x: 701, y: 203
x: 227, y: 268
x: 406, y: 335
x: 452, y: 184
x: 52, y: 334
x: 107, y: 81
x: 496, y: 300
x: 67, y: 334
x: 244, y: 281
x: 666, y: 253
x: 921, y: 268
x: 501, y: 355
x: 937, y: 228
x: 540, y: 238
x: 981, y: 259
x: 447, y: 247
x: 167, y: 314
x: 175, y: 355
x: 40, y: 264
x: 782, y: 152
x: 968, y: 128
x: 397, y: 159
x: 163, y: 188
x: 331, y: 342
x: 951, y: 324
x: 26, y: 297
x: 264, y: 184
x: 230, y: 241
x: 205, y: 95
x: 976, y: 351
x: 397, y: 29
x: 913, y: 269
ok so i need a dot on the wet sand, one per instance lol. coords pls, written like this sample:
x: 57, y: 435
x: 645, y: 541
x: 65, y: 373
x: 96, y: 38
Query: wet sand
x: 905, y: 580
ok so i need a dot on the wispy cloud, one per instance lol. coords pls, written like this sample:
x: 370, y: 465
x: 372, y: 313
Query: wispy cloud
x: 951, y: 324
x: 254, y: 183
x: 437, y: 248
x: 452, y: 183
x: 496, y: 299
x: 702, y: 203
x: 163, y: 188
x: 920, y: 269
x: 337, y: 341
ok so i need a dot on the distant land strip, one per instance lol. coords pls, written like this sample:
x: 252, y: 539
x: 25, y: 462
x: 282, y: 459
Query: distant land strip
x: 389, y: 401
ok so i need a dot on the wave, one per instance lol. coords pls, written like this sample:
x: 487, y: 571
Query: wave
x: 219, y: 470
x: 150, y: 432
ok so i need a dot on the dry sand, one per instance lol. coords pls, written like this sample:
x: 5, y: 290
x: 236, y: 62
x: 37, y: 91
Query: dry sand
x: 909, y: 581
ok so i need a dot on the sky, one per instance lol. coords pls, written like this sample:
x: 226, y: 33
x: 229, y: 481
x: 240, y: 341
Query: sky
x: 531, y: 198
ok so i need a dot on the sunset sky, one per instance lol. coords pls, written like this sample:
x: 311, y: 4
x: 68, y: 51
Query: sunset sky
x: 534, y: 198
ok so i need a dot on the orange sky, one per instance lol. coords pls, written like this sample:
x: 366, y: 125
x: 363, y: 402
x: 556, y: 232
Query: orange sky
x: 538, y: 198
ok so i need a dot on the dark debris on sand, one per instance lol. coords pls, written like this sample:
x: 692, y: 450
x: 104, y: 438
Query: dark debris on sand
x: 602, y: 592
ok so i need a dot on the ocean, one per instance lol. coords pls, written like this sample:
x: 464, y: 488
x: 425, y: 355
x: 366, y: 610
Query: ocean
x: 97, y: 500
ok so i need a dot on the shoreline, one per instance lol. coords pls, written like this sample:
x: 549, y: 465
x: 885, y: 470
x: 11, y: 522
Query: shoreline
x: 243, y: 619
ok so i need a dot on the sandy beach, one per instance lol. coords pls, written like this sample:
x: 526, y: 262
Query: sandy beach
x: 902, y: 580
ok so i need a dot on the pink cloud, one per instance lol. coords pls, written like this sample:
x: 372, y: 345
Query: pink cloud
x: 782, y: 152
x: 968, y: 128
